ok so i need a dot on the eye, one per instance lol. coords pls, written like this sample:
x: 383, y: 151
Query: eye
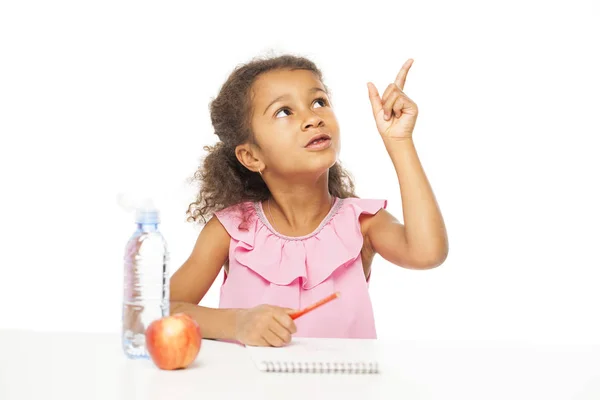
x: 280, y: 110
x: 321, y: 99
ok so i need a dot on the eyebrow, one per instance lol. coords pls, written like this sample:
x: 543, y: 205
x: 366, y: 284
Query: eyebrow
x: 312, y: 90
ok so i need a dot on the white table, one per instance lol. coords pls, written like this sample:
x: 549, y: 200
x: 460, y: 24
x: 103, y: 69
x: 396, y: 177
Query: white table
x: 92, y: 366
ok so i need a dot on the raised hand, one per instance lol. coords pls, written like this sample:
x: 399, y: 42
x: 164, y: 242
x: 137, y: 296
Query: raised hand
x: 395, y: 114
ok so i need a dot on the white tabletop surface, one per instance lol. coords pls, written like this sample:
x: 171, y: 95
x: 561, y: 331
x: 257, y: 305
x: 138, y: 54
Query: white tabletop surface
x: 92, y: 366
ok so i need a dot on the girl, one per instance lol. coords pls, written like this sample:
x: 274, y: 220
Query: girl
x: 282, y: 215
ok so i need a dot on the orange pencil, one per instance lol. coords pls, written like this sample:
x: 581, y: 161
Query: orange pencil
x: 317, y: 304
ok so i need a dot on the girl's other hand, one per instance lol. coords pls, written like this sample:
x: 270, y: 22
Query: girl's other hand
x: 265, y: 325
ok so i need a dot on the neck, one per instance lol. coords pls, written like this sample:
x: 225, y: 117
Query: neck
x: 297, y: 209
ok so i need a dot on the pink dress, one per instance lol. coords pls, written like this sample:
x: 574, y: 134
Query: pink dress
x: 266, y: 267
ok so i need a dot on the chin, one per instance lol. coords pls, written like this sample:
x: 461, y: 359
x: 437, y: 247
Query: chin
x: 323, y: 162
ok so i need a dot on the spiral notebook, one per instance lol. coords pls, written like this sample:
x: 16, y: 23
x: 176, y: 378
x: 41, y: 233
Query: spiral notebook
x: 318, y: 355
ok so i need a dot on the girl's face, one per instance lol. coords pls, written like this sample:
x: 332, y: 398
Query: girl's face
x: 289, y: 109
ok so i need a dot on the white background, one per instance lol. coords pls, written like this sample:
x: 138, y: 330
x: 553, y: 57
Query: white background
x: 99, y: 98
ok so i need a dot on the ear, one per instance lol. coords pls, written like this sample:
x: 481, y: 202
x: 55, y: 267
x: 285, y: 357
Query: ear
x: 249, y: 156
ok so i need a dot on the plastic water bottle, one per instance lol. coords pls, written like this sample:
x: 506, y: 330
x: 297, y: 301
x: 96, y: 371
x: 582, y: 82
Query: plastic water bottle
x: 146, y: 286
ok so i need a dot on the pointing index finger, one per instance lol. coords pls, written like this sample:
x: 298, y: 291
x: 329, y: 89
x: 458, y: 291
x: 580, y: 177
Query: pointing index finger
x: 401, y: 77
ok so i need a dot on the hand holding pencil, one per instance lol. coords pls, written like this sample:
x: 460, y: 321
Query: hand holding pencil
x: 267, y: 325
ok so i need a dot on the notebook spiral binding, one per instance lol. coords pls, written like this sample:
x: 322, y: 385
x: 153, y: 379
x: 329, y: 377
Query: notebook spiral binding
x: 320, y: 367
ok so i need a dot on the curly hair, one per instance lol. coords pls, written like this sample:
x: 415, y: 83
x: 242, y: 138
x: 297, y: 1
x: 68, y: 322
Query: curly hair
x: 223, y: 181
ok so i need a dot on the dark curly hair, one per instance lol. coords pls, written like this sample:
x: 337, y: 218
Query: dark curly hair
x: 223, y: 181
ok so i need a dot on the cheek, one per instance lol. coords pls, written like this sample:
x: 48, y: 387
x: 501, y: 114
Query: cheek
x: 338, y: 145
x: 280, y: 150
x: 331, y: 120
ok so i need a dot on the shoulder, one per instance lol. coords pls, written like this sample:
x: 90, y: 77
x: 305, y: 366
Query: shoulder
x: 217, y: 227
x: 364, y: 210
x: 364, y: 206
x: 213, y: 239
x: 237, y: 218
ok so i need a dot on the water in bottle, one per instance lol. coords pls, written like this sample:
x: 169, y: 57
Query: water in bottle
x: 146, y: 286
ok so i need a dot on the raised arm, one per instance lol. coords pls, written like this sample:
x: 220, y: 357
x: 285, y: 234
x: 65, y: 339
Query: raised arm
x: 423, y: 242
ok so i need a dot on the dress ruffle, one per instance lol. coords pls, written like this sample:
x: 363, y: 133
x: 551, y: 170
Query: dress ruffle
x: 280, y: 259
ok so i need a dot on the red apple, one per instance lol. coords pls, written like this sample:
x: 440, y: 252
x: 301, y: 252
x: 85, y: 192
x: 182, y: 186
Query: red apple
x: 174, y: 341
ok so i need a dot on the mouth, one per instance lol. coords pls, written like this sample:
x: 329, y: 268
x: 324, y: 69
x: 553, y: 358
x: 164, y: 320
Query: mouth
x: 318, y: 140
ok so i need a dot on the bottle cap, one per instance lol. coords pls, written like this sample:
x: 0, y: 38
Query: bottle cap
x: 147, y: 213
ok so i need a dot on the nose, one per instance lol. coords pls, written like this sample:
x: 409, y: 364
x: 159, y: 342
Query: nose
x: 314, y: 121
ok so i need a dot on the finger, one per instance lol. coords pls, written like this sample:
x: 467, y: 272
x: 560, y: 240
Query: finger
x: 272, y: 339
x: 399, y: 105
x: 374, y: 98
x: 391, y: 87
x: 281, y: 332
x: 401, y: 77
x: 387, y: 107
x: 262, y: 342
x: 259, y: 342
x: 286, y: 322
x: 291, y: 312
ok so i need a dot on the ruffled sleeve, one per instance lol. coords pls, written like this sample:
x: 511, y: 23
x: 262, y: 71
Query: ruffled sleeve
x: 240, y: 223
x: 279, y: 259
